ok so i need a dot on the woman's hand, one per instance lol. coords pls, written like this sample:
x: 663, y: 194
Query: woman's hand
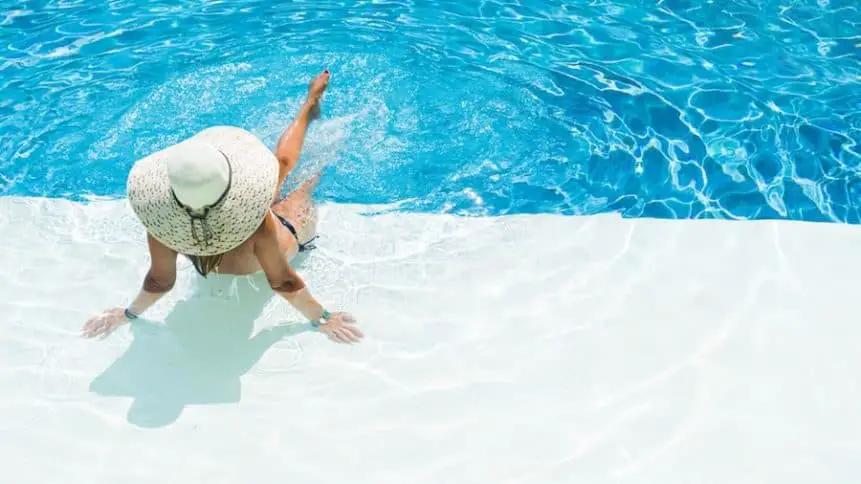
x: 104, y: 324
x: 339, y: 328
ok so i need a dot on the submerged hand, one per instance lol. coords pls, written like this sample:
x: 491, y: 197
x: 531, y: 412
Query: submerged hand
x: 104, y: 324
x: 339, y: 328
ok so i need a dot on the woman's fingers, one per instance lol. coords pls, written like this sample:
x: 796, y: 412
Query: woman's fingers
x: 336, y: 336
x: 92, y: 327
x: 353, y: 334
x: 344, y: 334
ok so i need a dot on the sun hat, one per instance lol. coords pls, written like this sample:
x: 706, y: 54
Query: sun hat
x: 207, y: 194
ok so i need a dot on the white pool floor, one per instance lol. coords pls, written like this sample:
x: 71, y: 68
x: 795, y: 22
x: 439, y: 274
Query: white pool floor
x: 525, y: 349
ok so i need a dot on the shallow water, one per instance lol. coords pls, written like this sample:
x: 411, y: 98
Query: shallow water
x: 739, y: 109
x: 606, y: 350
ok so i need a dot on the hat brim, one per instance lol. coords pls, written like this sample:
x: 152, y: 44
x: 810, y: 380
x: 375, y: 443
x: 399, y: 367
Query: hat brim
x: 233, y: 220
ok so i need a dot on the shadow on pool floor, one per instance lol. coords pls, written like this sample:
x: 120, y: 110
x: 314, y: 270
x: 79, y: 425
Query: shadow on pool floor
x: 196, y: 358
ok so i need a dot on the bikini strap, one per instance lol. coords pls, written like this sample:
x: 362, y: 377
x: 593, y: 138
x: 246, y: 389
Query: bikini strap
x: 309, y: 245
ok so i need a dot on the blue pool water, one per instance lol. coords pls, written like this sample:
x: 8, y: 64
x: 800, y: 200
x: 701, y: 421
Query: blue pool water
x: 676, y: 108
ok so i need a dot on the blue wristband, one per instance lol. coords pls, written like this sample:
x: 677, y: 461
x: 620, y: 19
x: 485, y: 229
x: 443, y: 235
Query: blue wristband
x: 129, y: 315
x: 316, y: 323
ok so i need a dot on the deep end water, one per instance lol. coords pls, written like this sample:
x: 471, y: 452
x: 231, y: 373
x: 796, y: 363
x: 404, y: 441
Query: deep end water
x: 671, y: 109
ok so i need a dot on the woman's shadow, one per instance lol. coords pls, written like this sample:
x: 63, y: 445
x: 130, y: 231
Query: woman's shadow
x: 198, y: 355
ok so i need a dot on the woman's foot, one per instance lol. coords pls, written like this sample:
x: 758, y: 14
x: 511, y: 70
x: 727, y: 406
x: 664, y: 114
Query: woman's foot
x: 315, y: 92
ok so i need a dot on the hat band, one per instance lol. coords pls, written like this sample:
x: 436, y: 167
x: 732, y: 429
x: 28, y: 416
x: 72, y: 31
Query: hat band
x: 205, y: 236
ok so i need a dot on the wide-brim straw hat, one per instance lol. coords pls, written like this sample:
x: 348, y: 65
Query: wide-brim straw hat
x: 205, y: 195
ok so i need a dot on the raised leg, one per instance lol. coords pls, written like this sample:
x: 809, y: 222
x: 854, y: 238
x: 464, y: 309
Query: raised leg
x: 289, y: 146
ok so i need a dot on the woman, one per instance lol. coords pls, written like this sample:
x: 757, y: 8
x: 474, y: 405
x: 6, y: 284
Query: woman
x: 214, y: 199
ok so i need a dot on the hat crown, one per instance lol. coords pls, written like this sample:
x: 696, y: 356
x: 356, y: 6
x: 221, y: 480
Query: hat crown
x: 198, y: 173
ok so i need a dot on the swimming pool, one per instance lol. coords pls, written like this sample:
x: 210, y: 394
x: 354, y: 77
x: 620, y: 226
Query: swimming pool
x: 669, y: 109
x: 508, y: 341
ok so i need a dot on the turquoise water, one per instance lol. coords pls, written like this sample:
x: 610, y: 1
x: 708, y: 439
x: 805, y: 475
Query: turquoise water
x: 682, y: 109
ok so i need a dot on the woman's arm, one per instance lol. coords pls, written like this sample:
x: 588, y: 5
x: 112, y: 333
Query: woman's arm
x: 158, y: 281
x: 282, y: 278
x: 286, y: 283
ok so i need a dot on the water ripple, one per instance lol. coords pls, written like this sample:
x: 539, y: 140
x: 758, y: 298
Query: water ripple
x: 736, y: 109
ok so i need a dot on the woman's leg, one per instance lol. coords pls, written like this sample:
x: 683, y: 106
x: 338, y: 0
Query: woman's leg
x: 289, y: 147
x: 299, y: 209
